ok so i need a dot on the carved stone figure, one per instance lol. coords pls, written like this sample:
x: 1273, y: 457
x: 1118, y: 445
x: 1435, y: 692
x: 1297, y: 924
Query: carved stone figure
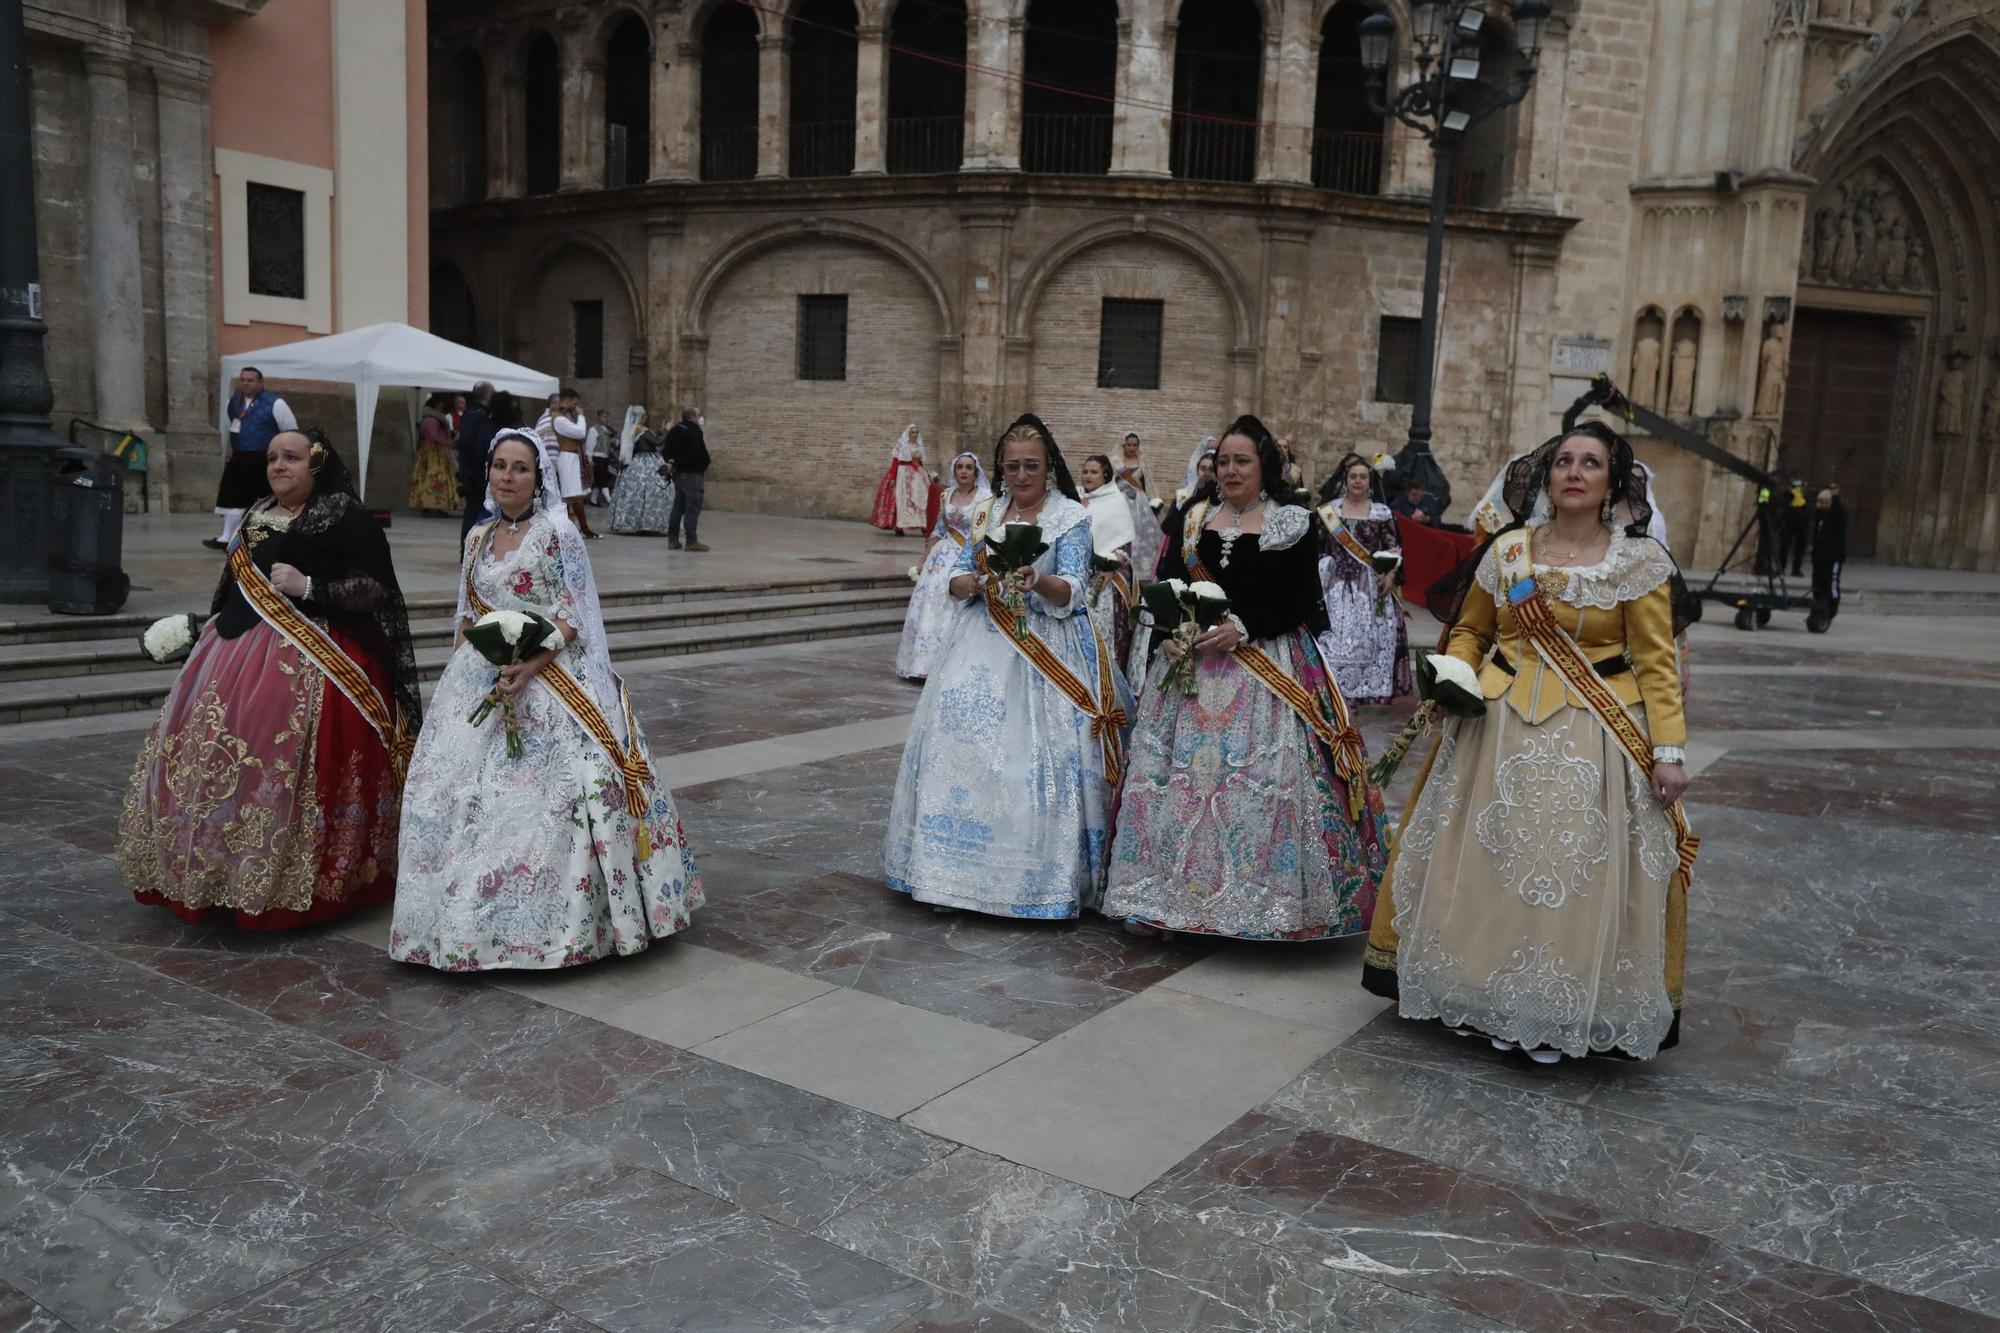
x: 1645, y: 389
x: 1951, y: 403
x: 1894, y: 245
x: 1771, y: 369
x: 1864, y: 243
x: 1826, y: 227
x: 1845, y: 254
x: 1680, y: 383
x: 1913, y: 275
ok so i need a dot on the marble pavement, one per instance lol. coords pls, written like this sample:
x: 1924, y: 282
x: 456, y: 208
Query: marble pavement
x: 824, y: 1107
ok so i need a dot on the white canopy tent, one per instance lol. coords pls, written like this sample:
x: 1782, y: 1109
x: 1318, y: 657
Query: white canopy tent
x: 378, y: 355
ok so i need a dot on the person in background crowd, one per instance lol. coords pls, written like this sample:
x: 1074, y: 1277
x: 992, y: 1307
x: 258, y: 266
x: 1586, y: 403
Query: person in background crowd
x: 433, y: 473
x: 1415, y: 503
x: 256, y: 415
x: 475, y: 433
x: 1295, y: 476
x: 562, y: 432
x: 603, y: 446
x: 644, y: 498
x: 902, y: 498
x: 1798, y: 526
x: 1113, y: 592
x: 1829, y: 553
x: 686, y: 453
x: 1130, y: 470
x: 457, y: 413
x: 1366, y: 643
x: 932, y: 609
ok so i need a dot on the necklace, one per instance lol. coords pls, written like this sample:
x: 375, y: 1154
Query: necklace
x: 1021, y: 515
x: 1570, y: 557
x: 514, y: 523
x: 1229, y: 534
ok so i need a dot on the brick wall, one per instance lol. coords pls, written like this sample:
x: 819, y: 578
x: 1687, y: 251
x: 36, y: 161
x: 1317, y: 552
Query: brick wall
x: 542, y: 336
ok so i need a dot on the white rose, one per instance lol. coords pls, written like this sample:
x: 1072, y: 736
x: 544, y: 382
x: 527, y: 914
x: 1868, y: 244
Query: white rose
x: 1180, y: 588
x: 1208, y: 592
x: 913, y: 572
x: 512, y: 624
x: 166, y: 637
x: 1451, y: 671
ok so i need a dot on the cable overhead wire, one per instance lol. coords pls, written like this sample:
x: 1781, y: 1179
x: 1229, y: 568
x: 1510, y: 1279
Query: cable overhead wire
x: 1021, y: 80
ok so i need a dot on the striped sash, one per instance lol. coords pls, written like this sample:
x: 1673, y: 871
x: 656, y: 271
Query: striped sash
x: 317, y: 647
x: 1565, y: 657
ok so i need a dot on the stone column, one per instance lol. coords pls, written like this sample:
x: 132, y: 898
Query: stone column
x: 506, y: 165
x: 993, y: 106
x: 663, y: 238
x: 1141, y: 127
x: 774, y: 107
x: 117, y: 316
x: 1291, y: 76
x: 676, y: 106
x: 187, y: 286
x: 871, y: 102
x: 1538, y: 128
x: 1287, y: 249
x: 582, y: 152
x: 983, y: 352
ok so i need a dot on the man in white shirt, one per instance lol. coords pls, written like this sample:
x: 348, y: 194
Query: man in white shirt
x: 562, y: 430
x: 256, y: 417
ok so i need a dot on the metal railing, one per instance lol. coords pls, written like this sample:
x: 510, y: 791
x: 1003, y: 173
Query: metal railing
x: 924, y: 145
x: 729, y: 155
x: 1213, y: 150
x: 822, y: 148
x: 1066, y: 144
x: 1348, y: 161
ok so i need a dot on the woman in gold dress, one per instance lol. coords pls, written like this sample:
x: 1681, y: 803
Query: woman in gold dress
x: 1538, y: 894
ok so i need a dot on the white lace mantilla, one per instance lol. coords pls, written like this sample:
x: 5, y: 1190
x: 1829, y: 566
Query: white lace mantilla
x: 1631, y: 568
x: 1283, y: 526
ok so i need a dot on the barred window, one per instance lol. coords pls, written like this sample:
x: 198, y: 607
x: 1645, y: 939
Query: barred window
x: 1396, y: 359
x: 587, y: 339
x: 1128, y: 344
x: 822, y: 337
x: 277, y: 219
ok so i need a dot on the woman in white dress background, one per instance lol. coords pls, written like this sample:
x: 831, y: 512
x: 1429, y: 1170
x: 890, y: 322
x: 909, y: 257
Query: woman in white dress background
x: 573, y: 851
x: 1112, y: 592
x: 931, y: 606
x: 1004, y: 800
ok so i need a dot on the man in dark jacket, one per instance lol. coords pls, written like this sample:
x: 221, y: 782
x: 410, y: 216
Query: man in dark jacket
x: 475, y: 434
x: 1829, y: 553
x: 686, y: 454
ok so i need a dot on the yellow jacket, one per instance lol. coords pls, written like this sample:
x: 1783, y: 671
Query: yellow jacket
x: 1619, y: 608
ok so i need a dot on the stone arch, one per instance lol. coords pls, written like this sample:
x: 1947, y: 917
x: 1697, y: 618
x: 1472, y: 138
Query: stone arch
x: 566, y: 269
x: 613, y: 15
x: 1035, y: 277
x: 453, y: 302
x: 694, y: 313
x: 700, y: 13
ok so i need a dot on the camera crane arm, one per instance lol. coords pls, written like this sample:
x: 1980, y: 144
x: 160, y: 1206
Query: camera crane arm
x: 1603, y: 393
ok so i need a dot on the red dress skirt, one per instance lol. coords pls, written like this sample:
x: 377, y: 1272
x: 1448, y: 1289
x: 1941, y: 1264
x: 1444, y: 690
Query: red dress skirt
x: 903, y: 498
x: 261, y: 794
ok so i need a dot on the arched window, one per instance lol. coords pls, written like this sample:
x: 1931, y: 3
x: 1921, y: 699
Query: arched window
x: 541, y: 88
x: 458, y: 130
x: 729, y: 94
x: 1347, y: 136
x: 1071, y: 65
x: 824, y: 51
x: 628, y: 103
x: 453, y: 316
x: 1486, y: 158
x: 927, y: 86
x: 1218, y: 87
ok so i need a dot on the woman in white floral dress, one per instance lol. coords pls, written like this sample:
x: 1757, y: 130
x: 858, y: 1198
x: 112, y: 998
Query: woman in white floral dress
x: 573, y: 851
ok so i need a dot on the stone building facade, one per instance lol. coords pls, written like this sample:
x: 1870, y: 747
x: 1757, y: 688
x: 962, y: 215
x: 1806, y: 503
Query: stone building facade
x: 1153, y: 214
x: 156, y: 124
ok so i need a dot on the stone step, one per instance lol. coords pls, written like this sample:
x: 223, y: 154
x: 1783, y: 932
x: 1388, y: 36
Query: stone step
x: 125, y: 691
x: 430, y: 626
x: 130, y: 625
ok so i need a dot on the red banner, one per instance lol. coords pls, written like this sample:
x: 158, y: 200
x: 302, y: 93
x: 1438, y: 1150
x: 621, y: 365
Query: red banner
x: 1428, y: 555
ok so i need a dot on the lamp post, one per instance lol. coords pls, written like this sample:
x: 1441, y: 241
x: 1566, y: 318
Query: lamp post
x: 1443, y: 103
x: 26, y: 441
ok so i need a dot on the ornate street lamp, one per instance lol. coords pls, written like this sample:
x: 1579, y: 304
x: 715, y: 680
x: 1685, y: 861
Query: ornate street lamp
x: 1446, y: 99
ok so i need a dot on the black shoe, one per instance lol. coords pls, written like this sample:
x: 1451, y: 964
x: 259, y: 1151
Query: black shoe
x: 216, y: 544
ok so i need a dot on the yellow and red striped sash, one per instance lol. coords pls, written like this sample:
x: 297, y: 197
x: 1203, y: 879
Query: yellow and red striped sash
x: 576, y: 700
x: 1349, y: 543
x: 1566, y: 658
x: 1107, y: 719
x: 1325, y: 715
x: 317, y: 647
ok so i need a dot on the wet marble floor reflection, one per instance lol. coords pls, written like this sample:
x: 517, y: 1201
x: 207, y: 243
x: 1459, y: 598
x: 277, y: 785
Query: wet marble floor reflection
x: 824, y: 1107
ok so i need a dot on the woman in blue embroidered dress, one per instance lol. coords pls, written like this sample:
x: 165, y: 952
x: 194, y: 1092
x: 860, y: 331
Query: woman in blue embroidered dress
x: 1247, y: 811
x: 1003, y: 804
x: 931, y: 607
x: 538, y: 861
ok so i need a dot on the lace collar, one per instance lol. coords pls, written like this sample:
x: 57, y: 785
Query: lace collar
x: 1631, y: 568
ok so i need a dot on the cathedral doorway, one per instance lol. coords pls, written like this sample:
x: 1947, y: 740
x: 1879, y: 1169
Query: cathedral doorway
x: 1839, y: 426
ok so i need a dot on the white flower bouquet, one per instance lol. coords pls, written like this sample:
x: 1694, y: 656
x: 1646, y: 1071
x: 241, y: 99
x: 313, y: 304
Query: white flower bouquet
x: 1385, y: 563
x: 1183, y: 610
x: 170, y: 639
x: 1442, y: 683
x: 914, y: 573
x: 505, y: 638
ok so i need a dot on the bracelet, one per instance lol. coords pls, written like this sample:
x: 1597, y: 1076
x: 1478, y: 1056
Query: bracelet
x: 306, y: 596
x: 1669, y: 754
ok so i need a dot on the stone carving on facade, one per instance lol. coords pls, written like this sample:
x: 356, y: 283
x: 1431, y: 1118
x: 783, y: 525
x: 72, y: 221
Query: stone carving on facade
x: 1863, y: 236
x: 1950, y: 421
x: 1646, y: 370
x: 1772, y: 365
x: 1680, y: 380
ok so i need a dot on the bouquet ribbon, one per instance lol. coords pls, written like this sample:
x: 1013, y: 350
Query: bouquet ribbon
x: 576, y: 701
x: 1107, y: 719
x: 319, y: 650
x: 1566, y: 658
